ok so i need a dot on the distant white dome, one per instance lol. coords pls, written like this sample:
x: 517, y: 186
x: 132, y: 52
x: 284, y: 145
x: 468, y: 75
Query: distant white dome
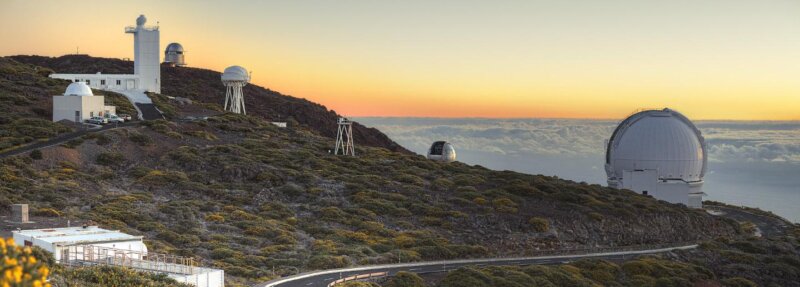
x: 235, y: 74
x: 661, y: 140
x: 442, y: 151
x: 78, y: 89
x: 141, y: 20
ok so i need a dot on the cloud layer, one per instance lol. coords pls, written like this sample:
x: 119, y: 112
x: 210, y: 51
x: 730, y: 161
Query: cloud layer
x: 728, y: 141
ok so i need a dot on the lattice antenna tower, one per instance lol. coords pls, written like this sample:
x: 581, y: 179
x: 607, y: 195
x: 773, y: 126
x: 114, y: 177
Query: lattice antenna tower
x: 344, y: 138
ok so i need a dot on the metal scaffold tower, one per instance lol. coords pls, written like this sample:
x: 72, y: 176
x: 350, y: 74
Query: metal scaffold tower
x: 344, y: 138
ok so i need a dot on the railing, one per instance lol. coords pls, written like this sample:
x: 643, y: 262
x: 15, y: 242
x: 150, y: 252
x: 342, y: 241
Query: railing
x: 132, y: 29
x: 139, y: 260
x: 563, y: 254
x: 359, y: 277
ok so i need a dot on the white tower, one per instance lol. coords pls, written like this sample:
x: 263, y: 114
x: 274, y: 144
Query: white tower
x: 344, y: 138
x: 234, y: 78
x: 146, y: 55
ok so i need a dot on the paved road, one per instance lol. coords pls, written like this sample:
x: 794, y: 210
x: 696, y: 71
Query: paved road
x: 768, y: 226
x: 323, y: 278
x: 62, y: 139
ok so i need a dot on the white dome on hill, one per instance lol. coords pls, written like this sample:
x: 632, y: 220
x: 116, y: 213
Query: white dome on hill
x: 442, y: 151
x: 659, y: 153
x: 663, y: 140
x: 235, y: 73
x: 78, y: 89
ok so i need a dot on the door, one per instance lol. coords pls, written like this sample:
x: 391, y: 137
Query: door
x: 131, y: 85
x: 77, y: 116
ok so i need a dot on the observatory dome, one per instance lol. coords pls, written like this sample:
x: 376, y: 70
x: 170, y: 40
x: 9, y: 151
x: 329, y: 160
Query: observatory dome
x: 660, y: 140
x: 78, y: 89
x: 174, y: 47
x: 442, y: 151
x: 235, y: 73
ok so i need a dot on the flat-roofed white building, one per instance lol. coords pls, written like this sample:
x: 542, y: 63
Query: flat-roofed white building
x: 79, y: 104
x: 91, y: 245
x: 59, y: 240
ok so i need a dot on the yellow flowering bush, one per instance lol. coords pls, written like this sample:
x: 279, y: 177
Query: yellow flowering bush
x: 19, y: 268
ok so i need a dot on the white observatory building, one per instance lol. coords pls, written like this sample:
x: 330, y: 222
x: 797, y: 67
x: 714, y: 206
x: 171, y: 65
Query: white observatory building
x: 174, y: 55
x: 79, y: 104
x: 146, y: 75
x: 442, y: 151
x: 235, y: 78
x: 659, y: 153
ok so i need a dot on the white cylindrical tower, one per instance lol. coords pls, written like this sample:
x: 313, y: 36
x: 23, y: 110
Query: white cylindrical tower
x: 235, y: 78
x: 146, y: 55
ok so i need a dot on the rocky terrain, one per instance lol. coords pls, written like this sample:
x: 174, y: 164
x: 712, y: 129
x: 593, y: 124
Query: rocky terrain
x: 260, y: 201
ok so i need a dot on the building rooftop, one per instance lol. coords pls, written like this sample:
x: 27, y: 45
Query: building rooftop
x: 77, y: 235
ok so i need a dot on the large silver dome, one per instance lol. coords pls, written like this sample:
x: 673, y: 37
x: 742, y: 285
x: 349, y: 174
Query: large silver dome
x: 661, y: 140
x: 442, y: 151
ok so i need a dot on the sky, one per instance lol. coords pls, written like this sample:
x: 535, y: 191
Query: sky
x: 711, y: 59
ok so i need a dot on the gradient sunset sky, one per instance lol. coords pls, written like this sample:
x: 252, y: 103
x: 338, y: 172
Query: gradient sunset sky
x: 710, y: 59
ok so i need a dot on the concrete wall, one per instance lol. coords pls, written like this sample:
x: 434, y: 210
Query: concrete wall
x: 64, y: 107
x: 205, y: 278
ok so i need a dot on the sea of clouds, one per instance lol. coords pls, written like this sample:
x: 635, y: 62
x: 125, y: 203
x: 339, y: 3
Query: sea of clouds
x: 750, y: 163
x: 727, y: 141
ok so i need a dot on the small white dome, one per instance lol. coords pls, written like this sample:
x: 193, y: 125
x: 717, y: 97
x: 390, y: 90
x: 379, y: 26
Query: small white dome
x: 442, y: 151
x: 78, y: 89
x: 662, y: 140
x: 141, y: 20
x: 235, y: 74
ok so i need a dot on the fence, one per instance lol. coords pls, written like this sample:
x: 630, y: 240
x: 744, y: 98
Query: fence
x: 139, y: 260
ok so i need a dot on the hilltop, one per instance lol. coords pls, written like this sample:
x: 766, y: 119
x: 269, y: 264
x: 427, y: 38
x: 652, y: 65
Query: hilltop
x: 260, y: 201
x: 204, y: 86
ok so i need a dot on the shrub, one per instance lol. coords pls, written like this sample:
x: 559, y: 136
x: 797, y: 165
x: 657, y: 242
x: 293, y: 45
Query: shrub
x: 20, y: 267
x: 405, y: 279
x: 36, y: 154
x: 539, y: 224
x: 110, y: 158
x: 139, y: 138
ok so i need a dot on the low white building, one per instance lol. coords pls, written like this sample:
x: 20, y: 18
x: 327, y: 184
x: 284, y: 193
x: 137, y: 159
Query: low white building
x: 59, y: 240
x: 91, y: 245
x: 79, y: 104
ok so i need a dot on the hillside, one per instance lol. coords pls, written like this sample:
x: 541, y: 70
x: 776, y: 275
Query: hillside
x: 205, y: 86
x: 261, y: 201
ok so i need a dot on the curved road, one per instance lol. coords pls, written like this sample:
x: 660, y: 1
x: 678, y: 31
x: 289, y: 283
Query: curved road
x: 325, y: 277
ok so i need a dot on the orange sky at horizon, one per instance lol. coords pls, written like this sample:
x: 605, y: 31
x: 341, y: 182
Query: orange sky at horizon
x: 735, y: 60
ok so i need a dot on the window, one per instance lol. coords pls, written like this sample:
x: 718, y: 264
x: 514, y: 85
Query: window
x: 91, y: 114
x: 77, y: 80
x: 88, y: 82
x: 119, y: 82
x: 102, y: 82
x: 644, y: 192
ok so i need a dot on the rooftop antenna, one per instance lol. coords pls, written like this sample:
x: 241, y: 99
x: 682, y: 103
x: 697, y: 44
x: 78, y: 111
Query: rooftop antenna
x: 344, y: 138
x: 234, y: 78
